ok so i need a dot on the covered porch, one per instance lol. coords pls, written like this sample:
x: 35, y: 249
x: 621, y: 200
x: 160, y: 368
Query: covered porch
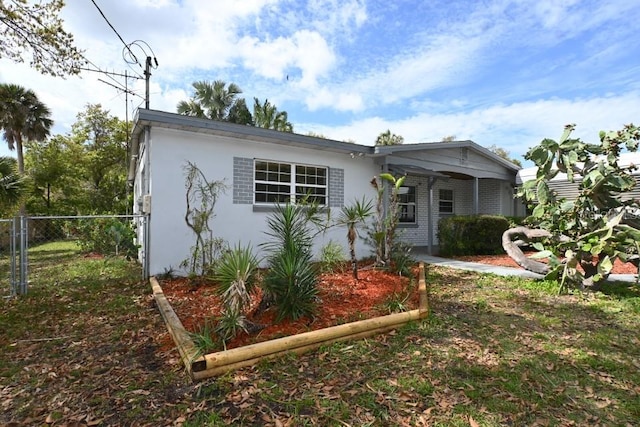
x: 446, y: 179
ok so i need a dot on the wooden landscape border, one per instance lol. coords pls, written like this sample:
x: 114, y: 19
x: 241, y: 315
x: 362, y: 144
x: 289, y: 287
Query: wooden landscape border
x: 213, y: 364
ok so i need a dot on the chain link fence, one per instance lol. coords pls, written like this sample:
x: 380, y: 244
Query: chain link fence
x: 33, y: 248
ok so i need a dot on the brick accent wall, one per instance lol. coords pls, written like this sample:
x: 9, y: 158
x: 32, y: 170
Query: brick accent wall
x: 242, y: 181
x: 336, y: 188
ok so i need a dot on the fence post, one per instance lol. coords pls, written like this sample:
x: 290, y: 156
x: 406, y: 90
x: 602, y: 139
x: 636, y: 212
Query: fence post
x: 145, y: 249
x: 13, y: 235
x: 24, y: 260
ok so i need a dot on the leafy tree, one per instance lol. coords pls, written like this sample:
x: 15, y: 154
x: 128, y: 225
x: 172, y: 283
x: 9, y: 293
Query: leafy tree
x: 388, y: 138
x: 102, y: 139
x: 35, y: 27
x: 83, y: 172
x: 22, y: 117
x: 448, y: 138
x: 504, y: 154
x: 351, y: 216
x: 53, y: 170
x: 316, y: 135
x: 213, y: 100
x: 12, y: 185
x: 581, y: 237
x: 266, y: 115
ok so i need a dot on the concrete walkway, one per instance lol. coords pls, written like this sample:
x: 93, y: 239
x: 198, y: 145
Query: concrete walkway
x: 501, y: 271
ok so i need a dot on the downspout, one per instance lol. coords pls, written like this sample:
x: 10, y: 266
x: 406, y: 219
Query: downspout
x: 385, y: 202
x: 147, y: 190
x: 430, y: 181
x: 147, y: 143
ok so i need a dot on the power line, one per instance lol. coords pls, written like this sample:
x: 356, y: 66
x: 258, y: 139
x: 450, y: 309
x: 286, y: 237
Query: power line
x: 115, y: 31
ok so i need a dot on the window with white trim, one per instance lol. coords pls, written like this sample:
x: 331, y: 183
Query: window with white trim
x: 445, y: 202
x: 407, y: 204
x: 277, y: 182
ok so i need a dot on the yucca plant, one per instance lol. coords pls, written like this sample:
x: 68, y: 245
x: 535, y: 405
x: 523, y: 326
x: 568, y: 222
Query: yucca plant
x: 203, y: 339
x: 291, y: 281
x: 229, y: 325
x: 235, y: 274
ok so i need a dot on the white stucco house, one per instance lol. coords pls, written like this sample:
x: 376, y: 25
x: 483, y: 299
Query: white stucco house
x: 261, y: 167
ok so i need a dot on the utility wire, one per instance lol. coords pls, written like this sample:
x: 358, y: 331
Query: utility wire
x: 117, y: 34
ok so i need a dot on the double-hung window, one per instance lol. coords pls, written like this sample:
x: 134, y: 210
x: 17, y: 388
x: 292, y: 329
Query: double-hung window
x: 445, y: 202
x: 407, y: 204
x: 277, y: 182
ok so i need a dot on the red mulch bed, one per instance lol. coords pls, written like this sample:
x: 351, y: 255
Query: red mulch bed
x: 506, y: 261
x: 342, y: 299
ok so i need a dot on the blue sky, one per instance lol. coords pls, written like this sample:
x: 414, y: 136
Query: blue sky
x: 498, y: 72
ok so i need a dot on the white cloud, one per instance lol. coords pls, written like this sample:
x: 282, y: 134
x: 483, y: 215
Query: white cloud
x: 305, y: 50
x: 515, y: 127
x: 380, y: 65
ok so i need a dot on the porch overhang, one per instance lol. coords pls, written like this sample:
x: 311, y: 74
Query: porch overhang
x: 427, y: 168
x: 415, y: 171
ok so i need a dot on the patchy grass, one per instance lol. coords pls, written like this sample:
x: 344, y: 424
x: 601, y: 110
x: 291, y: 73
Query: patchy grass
x: 84, y: 346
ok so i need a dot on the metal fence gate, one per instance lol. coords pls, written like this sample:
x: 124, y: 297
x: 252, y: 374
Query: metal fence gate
x: 119, y: 235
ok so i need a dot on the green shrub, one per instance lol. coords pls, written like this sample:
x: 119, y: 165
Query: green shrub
x: 401, y: 258
x: 107, y: 236
x: 204, y: 339
x: 472, y: 235
x: 331, y: 257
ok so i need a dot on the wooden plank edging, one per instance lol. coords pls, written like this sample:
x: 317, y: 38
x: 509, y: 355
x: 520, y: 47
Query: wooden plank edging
x: 187, y: 349
x: 218, y: 363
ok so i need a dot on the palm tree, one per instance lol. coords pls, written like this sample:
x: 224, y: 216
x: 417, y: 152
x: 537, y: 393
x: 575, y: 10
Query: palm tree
x: 266, y: 115
x: 211, y: 100
x: 23, y: 117
x: 12, y: 184
x: 351, y: 216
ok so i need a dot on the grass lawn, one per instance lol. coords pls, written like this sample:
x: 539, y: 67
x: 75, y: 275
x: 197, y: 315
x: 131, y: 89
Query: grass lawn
x: 83, y: 347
